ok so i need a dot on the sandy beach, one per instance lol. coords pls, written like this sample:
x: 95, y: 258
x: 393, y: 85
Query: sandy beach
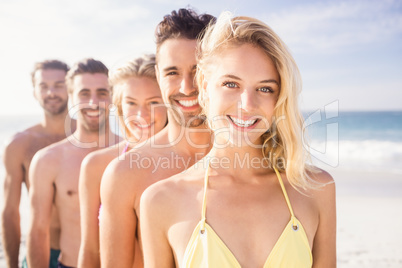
x: 369, y: 219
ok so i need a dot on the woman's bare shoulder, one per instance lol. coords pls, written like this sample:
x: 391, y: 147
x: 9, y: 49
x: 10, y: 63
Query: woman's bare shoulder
x: 321, y: 176
x: 324, y: 194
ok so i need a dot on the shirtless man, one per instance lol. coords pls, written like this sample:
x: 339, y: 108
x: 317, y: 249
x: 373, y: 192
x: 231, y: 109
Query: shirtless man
x: 48, y: 79
x: 55, y: 170
x: 179, y: 145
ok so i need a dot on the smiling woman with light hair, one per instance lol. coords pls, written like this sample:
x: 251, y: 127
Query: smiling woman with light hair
x: 253, y: 201
x: 141, y: 114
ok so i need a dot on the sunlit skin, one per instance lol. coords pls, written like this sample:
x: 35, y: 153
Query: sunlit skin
x: 241, y: 83
x: 142, y: 106
x: 92, y: 97
x: 124, y: 181
x: 51, y: 93
x: 50, y: 90
x: 175, y: 73
x: 250, y: 94
x: 54, y: 173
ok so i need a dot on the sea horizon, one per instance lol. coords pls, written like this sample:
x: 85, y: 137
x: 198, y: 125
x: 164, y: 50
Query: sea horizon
x: 351, y: 140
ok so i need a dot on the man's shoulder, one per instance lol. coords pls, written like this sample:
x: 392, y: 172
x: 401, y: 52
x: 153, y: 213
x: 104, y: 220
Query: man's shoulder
x: 55, y: 151
x: 30, y: 139
x: 182, y: 179
x: 18, y: 144
x: 135, y: 169
x: 156, y: 145
x: 24, y: 137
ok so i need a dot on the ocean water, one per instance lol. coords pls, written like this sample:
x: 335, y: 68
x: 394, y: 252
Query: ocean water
x: 370, y: 141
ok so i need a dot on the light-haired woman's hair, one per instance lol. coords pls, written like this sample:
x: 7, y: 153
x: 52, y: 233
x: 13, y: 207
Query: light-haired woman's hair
x: 143, y: 66
x: 283, y: 143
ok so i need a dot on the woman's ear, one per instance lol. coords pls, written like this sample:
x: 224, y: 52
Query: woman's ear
x: 204, y: 84
x: 203, y: 81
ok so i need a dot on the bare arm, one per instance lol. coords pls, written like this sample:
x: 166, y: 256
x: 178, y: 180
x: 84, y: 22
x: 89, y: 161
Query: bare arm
x: 324, y: 247
x: 13, y: 163
x: 89, y: 193
x: 156, y: 248
x: 41, y: 192
x: 118, y: 222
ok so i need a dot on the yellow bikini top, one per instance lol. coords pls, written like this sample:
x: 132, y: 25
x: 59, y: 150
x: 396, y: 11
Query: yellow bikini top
x: 206, y: 249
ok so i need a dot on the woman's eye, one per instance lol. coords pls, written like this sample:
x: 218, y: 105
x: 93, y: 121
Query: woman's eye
x: 266, y: 89
x: 154, y: 103
x: 230, y: 84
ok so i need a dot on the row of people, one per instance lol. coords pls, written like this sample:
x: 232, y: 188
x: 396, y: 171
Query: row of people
x: 210, y: 171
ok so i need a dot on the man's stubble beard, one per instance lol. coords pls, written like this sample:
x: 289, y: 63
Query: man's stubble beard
x: 188, y: 120
x: 98, y: 126
x: 55, y: 110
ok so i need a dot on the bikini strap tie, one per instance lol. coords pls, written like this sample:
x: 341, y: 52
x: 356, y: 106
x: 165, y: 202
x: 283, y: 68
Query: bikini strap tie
x: 285, y: 194
x: 204, y: 199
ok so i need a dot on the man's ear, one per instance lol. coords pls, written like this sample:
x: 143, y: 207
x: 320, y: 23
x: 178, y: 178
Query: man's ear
x: 34, y: 95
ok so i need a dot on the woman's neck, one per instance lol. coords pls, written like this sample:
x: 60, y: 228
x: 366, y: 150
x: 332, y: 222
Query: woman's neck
x: 238, y: 161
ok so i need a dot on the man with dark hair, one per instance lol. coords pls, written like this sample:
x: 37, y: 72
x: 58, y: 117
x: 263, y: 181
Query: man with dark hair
x: 183, y: 25
x: 54, y: 172
x: 48, y: 79
x: 179, y: 145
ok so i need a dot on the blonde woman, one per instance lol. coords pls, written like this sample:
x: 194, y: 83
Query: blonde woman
x: 253, y: 201
x: 141, y: 113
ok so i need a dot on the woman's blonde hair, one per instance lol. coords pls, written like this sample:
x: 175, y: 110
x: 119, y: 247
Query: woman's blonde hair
x: 143, y: 66
x: 283, y: 143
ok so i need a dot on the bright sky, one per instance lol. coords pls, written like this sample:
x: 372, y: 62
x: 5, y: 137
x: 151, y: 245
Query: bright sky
x: 348, y: 51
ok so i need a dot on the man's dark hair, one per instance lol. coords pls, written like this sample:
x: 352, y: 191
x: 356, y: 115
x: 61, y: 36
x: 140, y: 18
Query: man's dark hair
x: 48, y: 65
x: 85, y: 66
x: 185, y: 23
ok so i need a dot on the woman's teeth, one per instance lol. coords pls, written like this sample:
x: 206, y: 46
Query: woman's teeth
x: 243, y: 123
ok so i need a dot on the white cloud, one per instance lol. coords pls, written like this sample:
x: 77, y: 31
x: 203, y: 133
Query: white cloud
x: 74, y: 29
x: 382, y: 95
x: 337, y: 25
